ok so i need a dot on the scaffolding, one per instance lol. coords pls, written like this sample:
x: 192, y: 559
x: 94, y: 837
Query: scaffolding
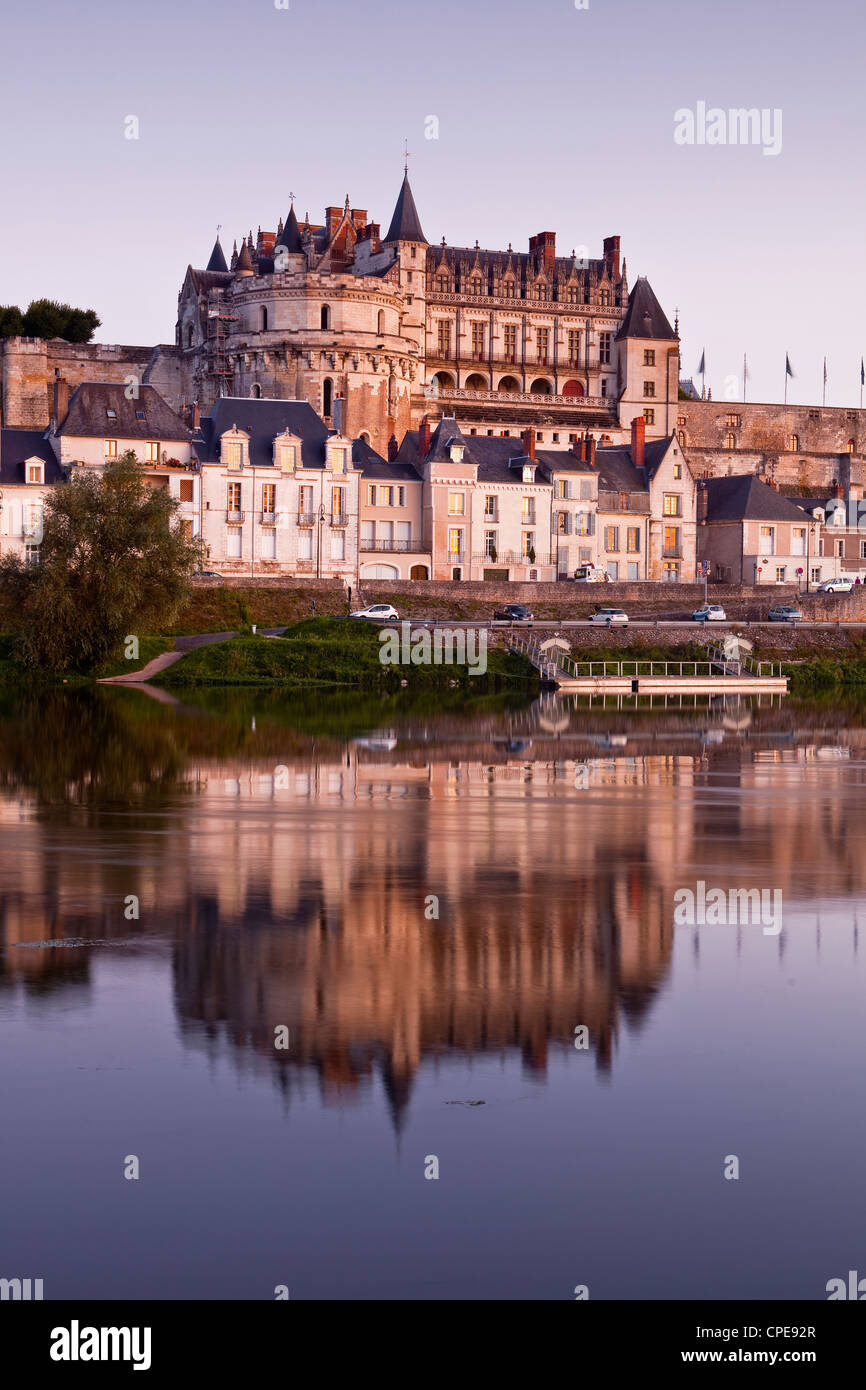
x: 218, y: 321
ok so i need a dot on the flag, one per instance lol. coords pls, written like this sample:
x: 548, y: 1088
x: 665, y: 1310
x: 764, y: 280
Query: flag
x: 702, y: 367
x: 825, y: 371
x: 862, y: 373
x: 789, y: 371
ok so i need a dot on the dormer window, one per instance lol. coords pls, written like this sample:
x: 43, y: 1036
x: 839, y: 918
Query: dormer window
x: 233, y: 447
x: 112, y: 414
x: 456, y: 451
x: 528, y: 473
x: 35, y: 471
x: 285, y: 459
x: 337, y: 458
x: 140, y: 415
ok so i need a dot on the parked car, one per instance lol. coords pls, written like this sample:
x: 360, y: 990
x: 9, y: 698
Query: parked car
x: 590, y: 574
x: 613, y: 617
x: 840, y: 585
x: 378, y: 612
x: 206, y: 574
x: 785, y: 613
x: 710, y: 613
x: 514, y: 613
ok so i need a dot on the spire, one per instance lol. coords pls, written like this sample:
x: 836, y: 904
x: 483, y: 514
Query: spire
x: 405, y: 224
x: 644, y: 317
x: 291, y: 234
x: 234, y: 260
x: 245, y: 261
x: 217, y: 259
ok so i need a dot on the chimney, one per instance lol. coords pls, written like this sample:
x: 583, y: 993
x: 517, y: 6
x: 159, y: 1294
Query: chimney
x: 333, y: 218
x: 61, y: 399
x: 424, y: 439
x: 577, y: 446
x: 337, y: 414
x: 611, y: 256
x: 589, y: 449
x: 392, y: 449
x: 528, y: 438
x: 702, y: 501
x: 838, y: 490
x: 196, y: 415
x: 638, y: 441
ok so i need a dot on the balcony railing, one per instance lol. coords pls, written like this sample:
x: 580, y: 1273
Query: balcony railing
x: 306, y: 518
x: 397, y: 546
x: 234, y: 515
x: 269, y: 518
x: 672, y: 552
x: 509, y: 557
x: 339, y: 518
x: 460, y: 393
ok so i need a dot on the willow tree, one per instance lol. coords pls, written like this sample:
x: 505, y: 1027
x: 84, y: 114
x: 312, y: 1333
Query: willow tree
x: 113, y: 563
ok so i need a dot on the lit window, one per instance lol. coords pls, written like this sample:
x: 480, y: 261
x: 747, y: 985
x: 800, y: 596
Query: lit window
x: 672, y: 504
x: 111, y: 448
x: 649, y: 416
x: 456, y: 503
x: 729, y: 441
x: 269, y: 493
x: 794, y: 443
x: 152, y: 451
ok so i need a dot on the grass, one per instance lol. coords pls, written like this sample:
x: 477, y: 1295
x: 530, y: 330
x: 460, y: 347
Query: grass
x: 119, y: 665
x: 332, y: 652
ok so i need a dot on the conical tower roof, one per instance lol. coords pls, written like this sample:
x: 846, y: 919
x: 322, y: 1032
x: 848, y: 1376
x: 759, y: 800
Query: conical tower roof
x: 405, y: 224
x: 217, y: 259
x: 291, y: 234
x: 644, y: 317
x: 245, y: 261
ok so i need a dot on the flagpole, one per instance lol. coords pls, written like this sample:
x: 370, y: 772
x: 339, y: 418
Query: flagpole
x: 744, y: 378
x: 824, y: 395
x: 786, y: 381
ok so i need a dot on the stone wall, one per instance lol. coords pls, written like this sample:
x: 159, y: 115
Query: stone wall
x: 28, y: 367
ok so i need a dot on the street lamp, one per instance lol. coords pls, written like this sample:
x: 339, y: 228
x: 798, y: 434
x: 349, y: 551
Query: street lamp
x: 319, y: 546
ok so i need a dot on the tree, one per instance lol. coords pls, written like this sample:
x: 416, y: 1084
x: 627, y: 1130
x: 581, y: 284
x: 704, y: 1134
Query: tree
x: 11, y: 322
x: 113, y: 563
x: 46, y: 318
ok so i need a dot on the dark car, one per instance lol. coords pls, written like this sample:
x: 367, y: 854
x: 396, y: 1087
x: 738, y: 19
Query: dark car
x: 513, y: 613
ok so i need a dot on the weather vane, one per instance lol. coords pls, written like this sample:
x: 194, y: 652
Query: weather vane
x: 406, y: 157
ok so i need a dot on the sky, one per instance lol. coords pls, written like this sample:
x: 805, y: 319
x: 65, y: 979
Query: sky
x: 548, y: 118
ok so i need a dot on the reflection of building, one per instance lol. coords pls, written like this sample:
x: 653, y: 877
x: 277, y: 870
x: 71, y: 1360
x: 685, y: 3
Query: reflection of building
x: 293, y: 888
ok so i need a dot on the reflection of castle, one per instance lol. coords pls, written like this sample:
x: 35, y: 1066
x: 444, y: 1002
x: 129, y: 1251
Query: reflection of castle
x: 295, y: 894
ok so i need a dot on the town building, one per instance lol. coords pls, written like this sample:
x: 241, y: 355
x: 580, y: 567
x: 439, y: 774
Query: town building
x: 750, y: 534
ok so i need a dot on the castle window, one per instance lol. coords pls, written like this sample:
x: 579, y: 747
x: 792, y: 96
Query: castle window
x: 443, y: 337
x: 256, y: 392
x: 649, y: 416
x: 649, y: 388
x: 189, y: 337
x: 476, y: 286
x: 681, y: 437
x: 327, y: 394
x: 325, y: 317
x: 850, y: 446
x: 509, y: 289
x: 574, y: 348
x: 263, y: 319
x: 442, y: 284
x: 732, y: 422
x: 604, y: 298
x: 794, y: 443
x: 604, y: 346
x: 112, y: 414
x: 729, y: 441
x: 380, y: 322
x: 649, y: 357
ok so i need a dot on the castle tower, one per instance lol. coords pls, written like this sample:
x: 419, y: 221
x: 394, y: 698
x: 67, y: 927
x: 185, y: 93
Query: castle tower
x: 648, y: 362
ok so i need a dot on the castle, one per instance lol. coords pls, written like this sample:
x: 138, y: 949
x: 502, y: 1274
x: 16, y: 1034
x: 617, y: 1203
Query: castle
x: 380, y: 334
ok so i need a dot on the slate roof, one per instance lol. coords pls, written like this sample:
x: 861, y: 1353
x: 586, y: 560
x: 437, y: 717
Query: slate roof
x: 492, y: 455
x: 644, y: 317
x: 405, y: 224
x: 90, y: 401
x: 16, y: 446
x: 204, y: 280
x: 617, y: 472
x: 291, y: 235
x: 263, y: 420
x: 217, y: 259
x: 744, y: 497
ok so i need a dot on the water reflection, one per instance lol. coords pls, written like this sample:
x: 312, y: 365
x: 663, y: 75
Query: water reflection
x: 288, y: 854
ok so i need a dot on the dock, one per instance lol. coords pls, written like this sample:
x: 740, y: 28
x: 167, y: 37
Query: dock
x: 718, y: 675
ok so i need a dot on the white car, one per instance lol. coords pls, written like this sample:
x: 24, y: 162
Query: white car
x: 378, y: 612
x: 611, y: 617
x: 710, y: 613
x: 839, y: 585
